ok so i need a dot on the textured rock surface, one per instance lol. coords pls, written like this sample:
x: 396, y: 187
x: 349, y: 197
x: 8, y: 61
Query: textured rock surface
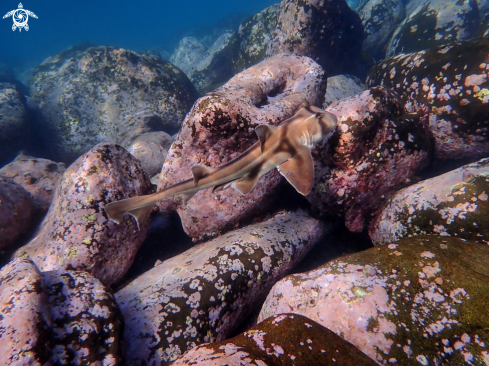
x: 248, y: 45
x: 375, y: 148
x: 105, y: 94
x: 188, y: 52
x: 209, y: 68
x: 39, y: 177
x: 379, y: 18
x: 76, y: 233
x: 287, y: 339
x: 87, y: 324
x: 328, y: 31
x: 451, y: 82
x: 24, y: 315
x: 202, y: 295
x: 340, y: 87
x: 419, y: 301
x: 16, y: 210
x: 452, y: 204
x: 221, y: 126
x: 14, y: 130
x: 151, y: 149
x: 433, y: 23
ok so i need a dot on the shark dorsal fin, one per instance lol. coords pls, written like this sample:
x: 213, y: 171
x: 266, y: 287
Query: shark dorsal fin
x: 299, y: 170
x: 245, y: 184
x: 200, y: 170
x: 264, y: 132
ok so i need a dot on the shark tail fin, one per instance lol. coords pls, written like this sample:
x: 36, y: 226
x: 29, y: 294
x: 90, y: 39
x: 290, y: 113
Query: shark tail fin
x: 138, y: 207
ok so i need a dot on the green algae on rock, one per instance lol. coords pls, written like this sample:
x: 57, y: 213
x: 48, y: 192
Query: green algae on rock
x: 202, y: 294
x: 453, y: 204
x: 283, y: 340
x: 422, y: 299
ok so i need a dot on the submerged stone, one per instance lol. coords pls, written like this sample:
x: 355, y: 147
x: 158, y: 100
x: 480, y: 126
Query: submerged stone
x: 420, y: 300
x: 286, y: 339
x: 203, y: 294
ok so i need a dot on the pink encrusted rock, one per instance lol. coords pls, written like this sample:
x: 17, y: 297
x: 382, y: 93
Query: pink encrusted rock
x: 87, y: 324
x: 453, y: 204
x: 287, y: 339
x: 76, y: 233
x: 24, y: 315
x: 221, y: 126
x: 450, y: 82
x: 374, y: 149
x: 328, y: 31
x: 16, y: 209
x: 204, y: 293
x: 37, y: 176
x: 418, y: 301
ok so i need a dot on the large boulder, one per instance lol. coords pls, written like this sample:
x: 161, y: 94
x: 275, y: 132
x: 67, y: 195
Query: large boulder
x: 418, y: 301
x: 14, y: 128
x: 375, y: 148
x: 221, y: 126
x: 451, y: 83
x: 203, y: 294
x: 87, y: 324
x: 453, y: 204
x: 106, y: 94
x: 151, y: 149
x: 286, y: 339
x: 16, y: 212
x: 328, y: 31
x: 433, y: 23
x: 76, y: 233
x: 39, y: 177
x: 379, y: 18
x: 25, y: 320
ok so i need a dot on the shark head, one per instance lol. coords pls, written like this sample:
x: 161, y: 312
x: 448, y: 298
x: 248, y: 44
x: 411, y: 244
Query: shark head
x: 316, y: 126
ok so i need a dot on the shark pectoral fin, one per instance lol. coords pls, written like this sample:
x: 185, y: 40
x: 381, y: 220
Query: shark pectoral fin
x: 263, y: 132
x: 245, y: 184
x: 299, y: 171
x: 187, y: 196
x: 200, y: 170
x: 138, y: 207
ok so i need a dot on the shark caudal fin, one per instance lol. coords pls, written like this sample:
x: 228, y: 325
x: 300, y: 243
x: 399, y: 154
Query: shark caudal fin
x: 138, y: 207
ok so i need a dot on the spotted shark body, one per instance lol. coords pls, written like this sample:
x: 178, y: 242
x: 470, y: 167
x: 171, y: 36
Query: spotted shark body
x: 286, y: 147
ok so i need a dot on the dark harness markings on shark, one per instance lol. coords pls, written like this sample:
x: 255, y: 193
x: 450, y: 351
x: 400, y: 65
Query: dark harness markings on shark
x: 286, y: 147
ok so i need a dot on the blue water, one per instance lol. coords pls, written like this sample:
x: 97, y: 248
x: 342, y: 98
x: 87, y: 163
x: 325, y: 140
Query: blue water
x: 131, y: 24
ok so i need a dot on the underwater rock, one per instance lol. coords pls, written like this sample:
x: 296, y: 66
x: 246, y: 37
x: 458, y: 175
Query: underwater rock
x: 76, y: 234
x: 433, y: 23
x: 151, y: 149
x: 248, y: 45
x: 39, y: 177
x: 189, y: 51
x: 14, y: 129
x: 375, y: 148
x: 204, y: 293
x: 16, y: 211
x: 451, y: 82
x: 287, y: 339
x: 25, y: 322
x: 210, y: 69
x: 341, y: 87
x: 379, y: 18
x: 453, y: 204
x: 418, y: 301
x: 221, y: 126
x: 328, y: 31
x: 87, y: 324
x: 106, y: 94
